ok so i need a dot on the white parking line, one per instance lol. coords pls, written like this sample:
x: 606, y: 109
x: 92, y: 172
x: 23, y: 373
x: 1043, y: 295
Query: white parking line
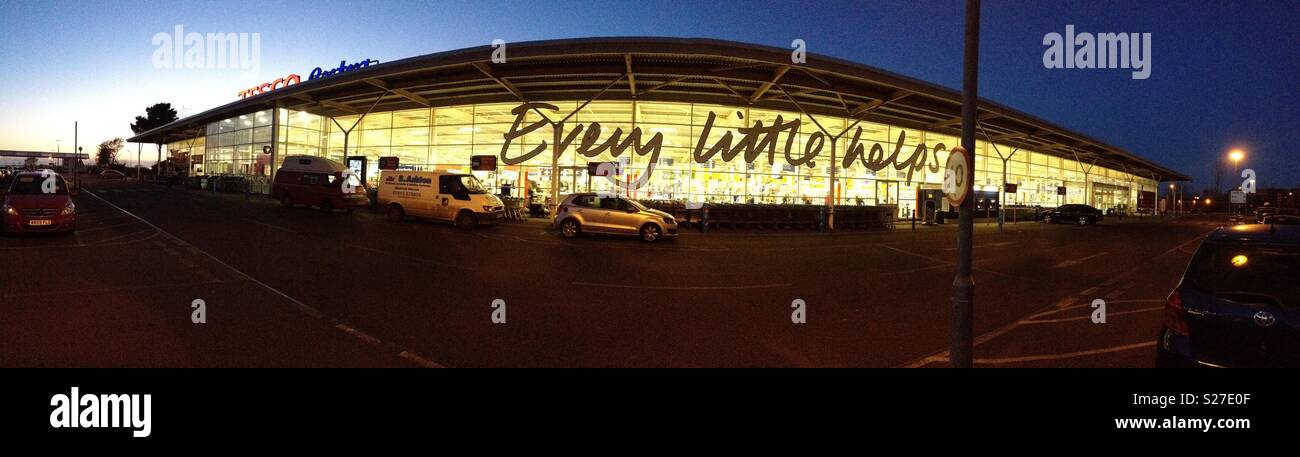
x: 1038, y: 358
x: 271, y: 226
x: 306, y: 309
x: 1079, y: 318
x: 104, y: 227
x: 118, y: 237
x: 1070, y: 263
x: 942, y: 356
x: 656, y: 287
x: 1067, y: 306
x: 1004, y: 243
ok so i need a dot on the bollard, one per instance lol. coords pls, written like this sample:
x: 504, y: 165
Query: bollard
x: 821, y: 219
x: 246, y: 185
x: 914, y: 219
x: 704, y: 220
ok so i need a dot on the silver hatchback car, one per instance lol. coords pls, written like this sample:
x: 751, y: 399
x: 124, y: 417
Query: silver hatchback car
x: 596, y: 213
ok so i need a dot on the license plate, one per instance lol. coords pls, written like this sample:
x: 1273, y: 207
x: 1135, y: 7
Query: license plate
x: 40, y: 222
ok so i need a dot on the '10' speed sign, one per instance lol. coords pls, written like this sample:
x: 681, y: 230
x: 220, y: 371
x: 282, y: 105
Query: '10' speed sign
x: 956, y: 186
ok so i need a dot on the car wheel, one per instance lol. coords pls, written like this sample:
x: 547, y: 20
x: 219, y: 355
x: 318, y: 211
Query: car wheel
x: 569, y: 228
x: 396, y: 213
x: 285, y: 200
x: 327, y: 206
x: 466, y: 220
x: 650, y: 233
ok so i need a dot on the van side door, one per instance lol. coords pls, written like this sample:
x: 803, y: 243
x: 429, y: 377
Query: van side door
x: 445, y: 205
x: 307, y: 193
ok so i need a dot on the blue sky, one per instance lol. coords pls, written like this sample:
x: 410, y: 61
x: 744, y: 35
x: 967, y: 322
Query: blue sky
x: 1224, y: 74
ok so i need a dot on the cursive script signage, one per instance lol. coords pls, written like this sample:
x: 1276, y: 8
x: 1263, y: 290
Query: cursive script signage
x: 317, y: 73
x: 343, y: 67
x: 753, y: 142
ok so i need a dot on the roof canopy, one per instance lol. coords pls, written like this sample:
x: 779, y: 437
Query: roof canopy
x: 665, y: 69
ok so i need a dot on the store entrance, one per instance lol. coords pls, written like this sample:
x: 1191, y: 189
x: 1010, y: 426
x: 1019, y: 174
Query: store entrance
x: 929, y: 203
x: 1108, y: 197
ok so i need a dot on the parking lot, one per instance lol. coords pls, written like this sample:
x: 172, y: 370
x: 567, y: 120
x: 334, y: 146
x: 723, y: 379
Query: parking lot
x: 300, y: 287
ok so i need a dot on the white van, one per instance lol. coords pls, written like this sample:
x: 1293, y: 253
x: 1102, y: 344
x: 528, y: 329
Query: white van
x: 439, y: 195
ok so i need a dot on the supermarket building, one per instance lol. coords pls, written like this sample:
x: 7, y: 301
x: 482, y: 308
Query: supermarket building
x: 697, y: 120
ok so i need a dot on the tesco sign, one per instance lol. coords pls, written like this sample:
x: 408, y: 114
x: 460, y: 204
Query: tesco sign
x: 267, y: 87
x: 317, y: 73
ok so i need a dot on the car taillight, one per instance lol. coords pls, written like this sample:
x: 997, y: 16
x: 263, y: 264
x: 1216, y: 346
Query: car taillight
x: 1175, y: 316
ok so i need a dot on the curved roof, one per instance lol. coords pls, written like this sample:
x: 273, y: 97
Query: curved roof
x: 666, y: 69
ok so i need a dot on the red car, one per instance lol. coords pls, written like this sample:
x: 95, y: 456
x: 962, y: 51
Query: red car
x: 38, y: 202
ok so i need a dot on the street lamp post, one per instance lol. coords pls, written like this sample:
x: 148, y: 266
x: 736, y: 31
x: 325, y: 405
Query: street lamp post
x: 1173, y: 206
x: 1236, y: 155
x: 963, y: 284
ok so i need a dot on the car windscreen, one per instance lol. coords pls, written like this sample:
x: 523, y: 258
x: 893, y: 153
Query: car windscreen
x: 1262, y: 273
x: 352, y: 181
x: 472, y: 185
x: 35, y: 185
x: 635, y: 204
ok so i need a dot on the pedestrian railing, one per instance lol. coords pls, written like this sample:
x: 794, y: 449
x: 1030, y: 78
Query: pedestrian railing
x: 758, y: 216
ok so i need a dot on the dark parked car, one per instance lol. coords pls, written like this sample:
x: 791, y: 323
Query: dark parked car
x: 1282, y: 219
x: 1238, y: 304
x: 1073, y: 214
x: 1264, y: 212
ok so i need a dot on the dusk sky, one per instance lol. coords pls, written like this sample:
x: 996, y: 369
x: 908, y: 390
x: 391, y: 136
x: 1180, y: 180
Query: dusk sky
x: 1224, y: 74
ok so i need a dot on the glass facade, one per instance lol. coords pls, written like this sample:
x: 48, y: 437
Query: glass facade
x: 446, y: 137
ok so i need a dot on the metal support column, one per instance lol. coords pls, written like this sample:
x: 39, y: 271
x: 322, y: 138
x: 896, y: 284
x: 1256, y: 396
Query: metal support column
x: 275, y: 139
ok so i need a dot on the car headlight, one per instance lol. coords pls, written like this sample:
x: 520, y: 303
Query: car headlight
x: 69, y: 209
x: 487, y: 208
x: 10, y: 210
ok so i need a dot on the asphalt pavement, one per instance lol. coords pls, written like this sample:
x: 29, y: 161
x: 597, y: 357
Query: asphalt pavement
x: 300, y: 287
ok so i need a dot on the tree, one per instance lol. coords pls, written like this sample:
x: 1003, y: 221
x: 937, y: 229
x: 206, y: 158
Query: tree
x: 158, y: 115
x: 108, y: 151
x: 30, y: 163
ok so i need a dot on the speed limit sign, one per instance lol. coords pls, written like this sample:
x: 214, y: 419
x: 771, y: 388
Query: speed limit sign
x: 956, y: 185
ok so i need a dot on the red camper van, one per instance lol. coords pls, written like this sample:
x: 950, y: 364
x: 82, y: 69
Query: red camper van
x: 320, y: 182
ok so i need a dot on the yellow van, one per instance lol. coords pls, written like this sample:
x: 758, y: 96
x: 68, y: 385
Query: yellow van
x: 439, y: 195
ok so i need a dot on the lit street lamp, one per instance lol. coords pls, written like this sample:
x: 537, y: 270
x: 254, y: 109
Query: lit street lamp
x: 1236, y: 155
